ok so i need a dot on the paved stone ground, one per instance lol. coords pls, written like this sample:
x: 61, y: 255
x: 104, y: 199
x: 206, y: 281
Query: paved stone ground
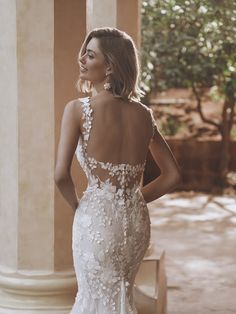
x: 198, y: 233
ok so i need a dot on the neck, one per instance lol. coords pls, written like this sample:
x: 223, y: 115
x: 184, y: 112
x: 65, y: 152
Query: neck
x: 98, y: 88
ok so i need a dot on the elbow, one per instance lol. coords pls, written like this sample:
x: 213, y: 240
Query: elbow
x: 177, y: 179
x: 57, y: 179
x: 60, y: 177
x: 174, y: 178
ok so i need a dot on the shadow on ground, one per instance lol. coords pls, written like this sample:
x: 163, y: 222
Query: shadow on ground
x: 198, y: 233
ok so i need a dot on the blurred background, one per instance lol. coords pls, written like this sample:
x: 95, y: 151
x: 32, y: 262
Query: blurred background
x: 189, y: 74
x: 188, y: 53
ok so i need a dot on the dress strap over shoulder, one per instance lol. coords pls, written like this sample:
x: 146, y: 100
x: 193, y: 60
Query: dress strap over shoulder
x: 87, y: 118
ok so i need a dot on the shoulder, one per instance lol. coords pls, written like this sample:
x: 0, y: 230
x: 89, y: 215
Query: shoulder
x: 142, y: 107
x: 73, y: 111
x: 149, y: 112
x: 71, y: 105
x: 69, y: 108
x: 75, y: 106
x: 77, y: 102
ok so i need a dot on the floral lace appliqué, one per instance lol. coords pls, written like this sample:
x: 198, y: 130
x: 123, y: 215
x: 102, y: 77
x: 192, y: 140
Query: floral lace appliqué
x: 111, y: 231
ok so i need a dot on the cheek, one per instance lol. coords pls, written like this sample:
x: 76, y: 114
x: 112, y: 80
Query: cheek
x: 97, y: 67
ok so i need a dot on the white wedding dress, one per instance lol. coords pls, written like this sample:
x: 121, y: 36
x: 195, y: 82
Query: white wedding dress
x: 111, y: 230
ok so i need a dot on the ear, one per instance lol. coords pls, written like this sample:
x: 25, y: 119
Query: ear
x: 108, y: 71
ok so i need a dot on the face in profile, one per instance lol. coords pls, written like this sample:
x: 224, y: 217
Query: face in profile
x: 92, y: 64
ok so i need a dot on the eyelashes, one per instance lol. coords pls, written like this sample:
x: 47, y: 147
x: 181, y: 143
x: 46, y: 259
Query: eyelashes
x: 88, y: 54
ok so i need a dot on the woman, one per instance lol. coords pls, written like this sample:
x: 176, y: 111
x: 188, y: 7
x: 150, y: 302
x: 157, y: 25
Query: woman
x: 110, y: 133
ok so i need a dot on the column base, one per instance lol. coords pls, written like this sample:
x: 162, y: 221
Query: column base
x: 26, y: 294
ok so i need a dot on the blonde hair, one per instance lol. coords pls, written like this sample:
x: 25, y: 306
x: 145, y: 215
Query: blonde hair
x: 121, y: 54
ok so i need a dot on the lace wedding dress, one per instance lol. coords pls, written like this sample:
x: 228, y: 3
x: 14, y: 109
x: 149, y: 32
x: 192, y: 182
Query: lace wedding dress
x: 111, y: 231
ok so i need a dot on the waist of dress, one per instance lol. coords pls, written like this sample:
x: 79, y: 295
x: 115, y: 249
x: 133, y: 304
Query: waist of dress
x: 109, y: 188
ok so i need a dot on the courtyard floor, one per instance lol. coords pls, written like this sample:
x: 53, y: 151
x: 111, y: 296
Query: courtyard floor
x: 198, y: 233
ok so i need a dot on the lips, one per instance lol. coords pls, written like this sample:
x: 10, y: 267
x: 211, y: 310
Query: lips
x: 83, y: 69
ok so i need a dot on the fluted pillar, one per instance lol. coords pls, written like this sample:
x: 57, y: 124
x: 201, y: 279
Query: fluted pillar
x: 122, y: 14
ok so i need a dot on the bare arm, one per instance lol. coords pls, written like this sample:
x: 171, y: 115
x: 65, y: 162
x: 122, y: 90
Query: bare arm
x: 170, y: 176
x: 69, y: 136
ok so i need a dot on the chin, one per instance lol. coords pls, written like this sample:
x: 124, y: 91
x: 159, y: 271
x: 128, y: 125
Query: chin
x: 83, y: 76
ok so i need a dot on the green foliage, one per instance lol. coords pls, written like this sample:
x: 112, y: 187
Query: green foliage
x: 233, y: 133
x: 187, y: 42
x: 214, y: 94
x: 171, y: 127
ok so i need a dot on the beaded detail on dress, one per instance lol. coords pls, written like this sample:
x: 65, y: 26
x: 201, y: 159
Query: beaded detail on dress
x: 111, y: 231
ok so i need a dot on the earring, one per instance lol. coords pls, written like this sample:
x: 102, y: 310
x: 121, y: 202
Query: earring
x: 107, y: 86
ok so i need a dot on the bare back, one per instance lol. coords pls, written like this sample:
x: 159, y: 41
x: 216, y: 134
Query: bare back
x: 114, y: 141
x: 121, y: 131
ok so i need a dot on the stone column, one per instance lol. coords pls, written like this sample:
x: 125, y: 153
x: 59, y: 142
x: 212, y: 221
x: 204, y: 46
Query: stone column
x: 38, y: 49
x: 122, y: 14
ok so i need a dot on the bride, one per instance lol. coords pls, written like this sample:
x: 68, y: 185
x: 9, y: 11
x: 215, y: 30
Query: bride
x: 110, y: 131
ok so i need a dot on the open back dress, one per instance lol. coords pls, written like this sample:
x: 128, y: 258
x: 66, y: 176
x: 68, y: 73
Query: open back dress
x: 111, y: 227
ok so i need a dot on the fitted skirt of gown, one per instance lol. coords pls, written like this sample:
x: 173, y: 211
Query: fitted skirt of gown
x: 110, y: 237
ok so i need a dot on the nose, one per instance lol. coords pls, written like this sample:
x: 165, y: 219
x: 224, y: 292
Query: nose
x: 82, y: 60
